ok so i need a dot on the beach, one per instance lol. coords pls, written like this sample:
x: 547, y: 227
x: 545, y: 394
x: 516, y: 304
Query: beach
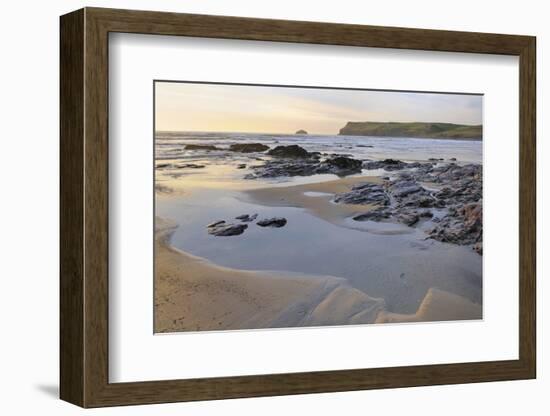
x: 366, y: 238
x: 192, y: 294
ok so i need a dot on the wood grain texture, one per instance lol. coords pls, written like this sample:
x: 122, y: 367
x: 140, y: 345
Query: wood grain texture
x: 527, y: 207
x: 71, y: 208
x: 84, y: 205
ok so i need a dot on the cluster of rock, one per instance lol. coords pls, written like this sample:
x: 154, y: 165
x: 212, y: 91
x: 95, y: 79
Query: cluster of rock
x: 222, y: 228
x: 294, y: 160
x: 463, y: 225
x: 179, y: 166
x: 457, y: 202
x: 236, y: 147
x: 402, y: 199
x: 290, y: 160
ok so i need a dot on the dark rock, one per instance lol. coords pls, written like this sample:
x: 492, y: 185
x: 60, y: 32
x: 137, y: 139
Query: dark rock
x: 301, y: 132
x: 462, y: 225
x: 216, y: 223
x: 364, y: 145
x: 374, y: 215
x: 401, y: 189
x: 200, y: 147
x: 409, y: 218
x: 224, y: 230
x: 425, y: 202
x: 345, y: 163
x: 276, y: 222
x: 386, y: 164
x: 241, y: 166
x: 246, y: 217
x: 453, y: 159
x: 285, y: 167
x: 163, y: 165
x: 248, y: 147
x: 190, y: 166
x: 364, y: 193
x: 291, y: 151
x: 305, y: 167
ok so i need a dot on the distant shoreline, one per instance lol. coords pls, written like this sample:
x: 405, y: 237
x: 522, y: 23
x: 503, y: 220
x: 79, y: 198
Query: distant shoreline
x: 447, y: 131
x: 305, y: 137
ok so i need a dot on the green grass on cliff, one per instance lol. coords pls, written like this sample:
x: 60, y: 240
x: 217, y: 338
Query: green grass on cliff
x: 421, y: 130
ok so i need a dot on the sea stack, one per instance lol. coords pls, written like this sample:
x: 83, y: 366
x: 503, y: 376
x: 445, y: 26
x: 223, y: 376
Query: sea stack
x: 301, y: 132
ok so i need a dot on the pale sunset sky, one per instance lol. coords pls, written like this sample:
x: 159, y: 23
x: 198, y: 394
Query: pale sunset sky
x: 258, y: 109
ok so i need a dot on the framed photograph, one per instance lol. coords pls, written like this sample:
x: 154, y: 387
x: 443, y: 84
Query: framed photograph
x: 260, y: 207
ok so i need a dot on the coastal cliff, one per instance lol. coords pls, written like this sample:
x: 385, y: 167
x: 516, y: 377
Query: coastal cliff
x: 420, y: 130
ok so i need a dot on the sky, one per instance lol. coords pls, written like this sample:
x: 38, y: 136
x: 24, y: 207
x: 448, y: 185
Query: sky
x: 284, y: 110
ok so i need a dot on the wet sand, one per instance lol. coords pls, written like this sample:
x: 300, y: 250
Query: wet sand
x: 193, y: 294
x: 438, y: 305
x: 319, y: 205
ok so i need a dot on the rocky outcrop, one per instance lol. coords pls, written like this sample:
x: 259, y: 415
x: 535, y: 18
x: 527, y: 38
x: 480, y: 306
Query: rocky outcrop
x: 313, y: 165
x: 364, y: 193
x: 345, y: 163
x: 462, y: 225
x: 291, y: 151
x: 301, y: 132
x: 457, y: 202
x: 248, y: 147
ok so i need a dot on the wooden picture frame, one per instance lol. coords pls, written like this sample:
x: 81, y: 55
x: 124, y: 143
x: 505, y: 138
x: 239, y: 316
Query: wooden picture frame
x: 84, y: 207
